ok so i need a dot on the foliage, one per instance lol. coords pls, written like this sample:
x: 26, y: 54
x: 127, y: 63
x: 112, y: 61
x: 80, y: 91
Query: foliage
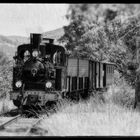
x: 104, y: 32
x: 5, y: 75
x: 120, y: 93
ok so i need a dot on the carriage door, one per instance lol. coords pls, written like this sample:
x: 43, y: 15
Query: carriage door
x: 93, y: 73
x: 58, y: 79
x: 90, y: 74
x: 97, y: 75
x: 101, y: 75
x: 104, y: 77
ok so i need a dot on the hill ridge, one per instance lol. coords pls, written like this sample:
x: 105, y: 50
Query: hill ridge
x: 8, y: 44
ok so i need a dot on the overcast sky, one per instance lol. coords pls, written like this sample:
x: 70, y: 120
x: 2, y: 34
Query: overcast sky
x: 21, y: 19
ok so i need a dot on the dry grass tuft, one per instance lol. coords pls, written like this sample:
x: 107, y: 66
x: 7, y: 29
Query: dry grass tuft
x: 89, y: 119
x: 114, y: 117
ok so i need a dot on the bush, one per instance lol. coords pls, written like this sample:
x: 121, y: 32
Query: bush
x: 5, y: 79
x: 121, y: 93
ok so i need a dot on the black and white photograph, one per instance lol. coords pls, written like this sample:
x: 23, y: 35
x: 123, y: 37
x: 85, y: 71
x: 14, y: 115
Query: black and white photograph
x: 69, y: 69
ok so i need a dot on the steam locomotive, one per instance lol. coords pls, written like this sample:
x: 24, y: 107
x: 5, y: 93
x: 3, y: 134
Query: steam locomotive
x: 44, y: 73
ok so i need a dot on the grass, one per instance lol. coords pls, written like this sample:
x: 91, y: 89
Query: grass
x: 93, y: 118
x: 89, y: 119
x: 114, y: 117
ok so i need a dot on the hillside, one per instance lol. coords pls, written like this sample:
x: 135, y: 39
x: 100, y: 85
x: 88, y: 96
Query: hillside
x: 8, y: 44
x: 55, y: 34
x: 18, y: 39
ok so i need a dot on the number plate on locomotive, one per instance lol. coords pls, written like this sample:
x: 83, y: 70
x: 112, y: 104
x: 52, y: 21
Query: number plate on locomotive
x: 34, y: 92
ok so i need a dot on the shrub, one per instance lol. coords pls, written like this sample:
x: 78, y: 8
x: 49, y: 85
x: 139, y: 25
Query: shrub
x: 121, y: 93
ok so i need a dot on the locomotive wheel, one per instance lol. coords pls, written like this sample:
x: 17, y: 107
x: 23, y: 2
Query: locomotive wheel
x: 17, y: 103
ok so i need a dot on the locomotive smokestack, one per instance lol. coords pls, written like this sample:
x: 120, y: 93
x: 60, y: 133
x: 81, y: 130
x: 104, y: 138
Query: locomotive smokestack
x: 35, y: 40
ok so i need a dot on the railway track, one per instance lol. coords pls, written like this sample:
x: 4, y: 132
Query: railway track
x: 11, y: 113
x: 19, y: 126
x: 14, y: 124
x: 23, y: 125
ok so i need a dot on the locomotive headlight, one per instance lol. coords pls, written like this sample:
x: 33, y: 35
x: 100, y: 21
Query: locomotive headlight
x: 18, y: 84
x: 48, y: 85
x: 35, y: 53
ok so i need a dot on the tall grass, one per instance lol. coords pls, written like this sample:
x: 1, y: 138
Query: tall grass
x: 120, y: 92
x: 92, y: 119
x: 5, y: 85
x: 113, y: 116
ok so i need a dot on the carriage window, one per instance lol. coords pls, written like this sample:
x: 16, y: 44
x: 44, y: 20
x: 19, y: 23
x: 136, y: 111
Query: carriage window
x: 112, y: 69
x: 86, y: 82
x: 57, y: 57
x: 107, y: 69
x: 74, y: 83
x: 26, y: 55
x: 81, y: 83
x: 52, y: 74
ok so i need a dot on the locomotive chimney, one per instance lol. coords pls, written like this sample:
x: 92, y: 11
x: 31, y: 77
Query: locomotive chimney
x: 35, y: 40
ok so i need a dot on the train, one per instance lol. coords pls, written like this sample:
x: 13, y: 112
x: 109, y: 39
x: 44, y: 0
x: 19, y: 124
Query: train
x: 44, y: 72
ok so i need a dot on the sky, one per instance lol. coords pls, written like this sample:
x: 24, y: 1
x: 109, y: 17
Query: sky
x: 22, y: 19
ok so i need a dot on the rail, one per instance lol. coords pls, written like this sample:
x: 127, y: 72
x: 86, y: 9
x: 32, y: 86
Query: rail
x: 2, y: 126
x: 17, y: 121
x: 32, y: 126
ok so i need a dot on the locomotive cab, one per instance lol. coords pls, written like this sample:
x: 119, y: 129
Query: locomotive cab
x: 37, y: 74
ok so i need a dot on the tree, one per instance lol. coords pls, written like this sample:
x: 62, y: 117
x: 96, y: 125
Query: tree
x: 80, y: 36
x: 5, y: 75
x: 104, y: 32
